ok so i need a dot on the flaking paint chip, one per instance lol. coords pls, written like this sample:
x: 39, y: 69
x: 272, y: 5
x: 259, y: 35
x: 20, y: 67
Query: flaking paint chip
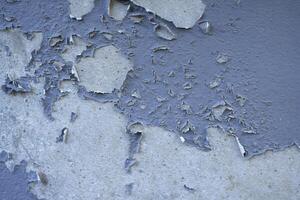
x: 164, y: 32
x: 183, y: 14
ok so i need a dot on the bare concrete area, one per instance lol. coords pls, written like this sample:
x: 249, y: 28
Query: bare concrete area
x: 89, y: 165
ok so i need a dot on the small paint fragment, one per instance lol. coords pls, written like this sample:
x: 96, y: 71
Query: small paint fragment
x: 74, y: 116
x: 14, y: 86
x: 241, y: 99
x: 206, y: 27
x: 107, y: 35
x: 92, y: 34
x: 171, y: 74
x: 75, y: 73
x: 219, y: 108
x: 190, y: 189
x: 129, y: 163
x: 215, y: 83
x: 131, y: 102
x: 58, y: 65
x: 43, y: 178
x: 161, y: 48
x: 222, y: 58
x: 183, y: 14
x: 187, y: 86
x: 63, y: 137
x: 9, y: 18
x: 267, y: 103
x: 136, y: 18
x: 171, y: 93
x: 164, y: 32
x: 54, y: 41
x: 241, y: 147
x: 249, y: 131
x: 187, y: 127
x: 186, y: 108
x: 190, y: 76
x: 136, y: 94
x: 161, y: 99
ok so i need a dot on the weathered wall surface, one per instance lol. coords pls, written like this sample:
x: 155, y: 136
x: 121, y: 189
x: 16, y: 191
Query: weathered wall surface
x: 107, y: 99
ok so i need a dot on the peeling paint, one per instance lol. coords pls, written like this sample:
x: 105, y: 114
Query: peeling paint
x: 183, y: 14
x: 168, y: 83
x: 163, y: 31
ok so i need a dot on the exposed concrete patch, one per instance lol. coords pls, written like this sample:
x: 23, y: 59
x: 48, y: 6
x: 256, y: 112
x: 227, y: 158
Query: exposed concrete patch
x: 117, y: 10
x: 79, y: 8
x: 96, y: 143
x: 183, y: 14
x: 105, y: 71
x: 15, y: 52
x: 222, y: 169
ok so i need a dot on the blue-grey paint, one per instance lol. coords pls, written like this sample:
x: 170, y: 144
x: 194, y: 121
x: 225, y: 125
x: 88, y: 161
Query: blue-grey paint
x: 13, y: 185
x: 260, y: 38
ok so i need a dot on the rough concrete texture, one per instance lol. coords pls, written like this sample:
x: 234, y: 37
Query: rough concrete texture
x: 90, y: 164
x: 79, y: 8
x: 15, y: 52
x: 105, y: 71
x: 117, y: 10
x: 228, y: 85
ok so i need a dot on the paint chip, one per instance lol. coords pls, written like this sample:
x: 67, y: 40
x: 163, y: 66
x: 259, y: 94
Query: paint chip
x: 136, y: 17
x: 241, y: 147
x: 219, y: 108
x: 63, y: 137
x: 43, y: 178
x: 14, y: 86
x: 183, y: 14
x: 241, y: 99
x: 206, y: 27
x: 222, y: 58
x: 215, y: 83
x: 54, y: 41
x: 164, y: 32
